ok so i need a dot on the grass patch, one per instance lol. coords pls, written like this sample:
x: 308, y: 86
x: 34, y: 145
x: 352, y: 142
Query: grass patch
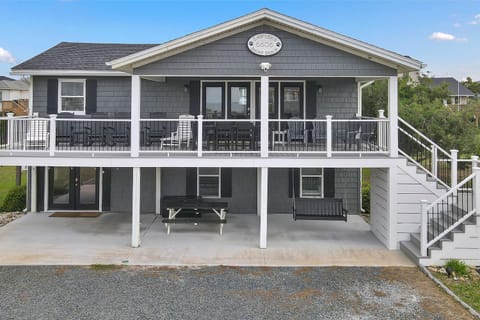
x: 7, y: 178
x: 105, y: 267
x: 468, y: 290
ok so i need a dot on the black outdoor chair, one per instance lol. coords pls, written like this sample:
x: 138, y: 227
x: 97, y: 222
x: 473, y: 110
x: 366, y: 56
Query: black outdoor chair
x: 97, y: 132
x: 155, y: 131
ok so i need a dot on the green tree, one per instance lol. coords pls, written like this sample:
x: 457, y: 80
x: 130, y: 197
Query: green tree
x: 473, y: 86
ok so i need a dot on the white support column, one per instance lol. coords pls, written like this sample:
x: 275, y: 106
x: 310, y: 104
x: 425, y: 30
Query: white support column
x: 45, y: 189
x: 33, y: 189
x: 393, y: 114
x: 263, y: 207
x: 100, y: 189
x: 136, y: 207
x: 158, y: 190
x: 30, y: 97
x: 454, y: 177
x: 52, y: 134
x: 199, y: 135
x: 329, y: 136
x: 264, y: 116
x: 135, y: 116
x: 259, y: 190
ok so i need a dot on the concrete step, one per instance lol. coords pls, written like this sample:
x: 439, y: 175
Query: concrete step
x: 411, y: 251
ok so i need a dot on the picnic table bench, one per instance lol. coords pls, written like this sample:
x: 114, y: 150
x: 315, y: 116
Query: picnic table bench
x: 193, y: 207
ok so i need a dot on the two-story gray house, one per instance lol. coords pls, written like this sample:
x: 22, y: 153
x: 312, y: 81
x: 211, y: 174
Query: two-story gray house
x: 259, y: 115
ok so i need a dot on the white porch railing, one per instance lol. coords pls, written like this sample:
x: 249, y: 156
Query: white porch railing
x: 448, y: 212
x: 193, y: 136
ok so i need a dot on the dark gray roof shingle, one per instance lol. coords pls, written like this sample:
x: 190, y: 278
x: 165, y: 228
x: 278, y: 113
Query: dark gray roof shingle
x: 80, y: 56
x: 454, y: 86
x: 6, y: 78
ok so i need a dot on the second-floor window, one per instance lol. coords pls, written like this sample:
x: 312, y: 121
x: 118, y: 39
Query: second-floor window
x: 71, y: 96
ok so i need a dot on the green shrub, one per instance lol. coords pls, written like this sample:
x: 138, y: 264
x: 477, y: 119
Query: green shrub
x: 15, y: 200
x: 457, y: 266
x: 366, y: 196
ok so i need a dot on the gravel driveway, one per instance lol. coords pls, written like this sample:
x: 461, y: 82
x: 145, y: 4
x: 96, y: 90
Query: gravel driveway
x: 221, y: 293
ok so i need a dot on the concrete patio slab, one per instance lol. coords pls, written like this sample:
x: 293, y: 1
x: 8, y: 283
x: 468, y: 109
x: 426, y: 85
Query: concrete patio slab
x: 37, y: 239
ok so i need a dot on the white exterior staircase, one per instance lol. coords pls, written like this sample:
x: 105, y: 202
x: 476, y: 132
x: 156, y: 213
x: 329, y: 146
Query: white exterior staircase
x: 442, y: 221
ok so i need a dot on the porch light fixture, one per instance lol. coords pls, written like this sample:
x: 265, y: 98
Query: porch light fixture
x: 186, y: 87
x: 319, y: 89
x: 265, y: 66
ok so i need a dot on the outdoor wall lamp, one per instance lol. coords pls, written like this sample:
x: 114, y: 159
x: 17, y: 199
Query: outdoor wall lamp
x: 319, y: 89
x: 265, y: 66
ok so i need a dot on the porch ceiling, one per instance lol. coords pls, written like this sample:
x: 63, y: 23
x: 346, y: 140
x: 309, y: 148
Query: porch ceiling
x: 37, y: 239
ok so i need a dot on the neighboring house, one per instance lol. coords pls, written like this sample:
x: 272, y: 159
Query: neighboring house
x: 14, y: 96
x: 458, y: 93
x: 258, y: 112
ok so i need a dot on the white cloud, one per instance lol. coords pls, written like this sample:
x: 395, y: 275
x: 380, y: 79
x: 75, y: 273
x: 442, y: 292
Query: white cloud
x: 457, y: 25
x: 477, y: 17
x: 6, y: 56
x: 474, y: 22
x: 440, y: 36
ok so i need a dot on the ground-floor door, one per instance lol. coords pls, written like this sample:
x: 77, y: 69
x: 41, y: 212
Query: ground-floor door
x: 72, y: 188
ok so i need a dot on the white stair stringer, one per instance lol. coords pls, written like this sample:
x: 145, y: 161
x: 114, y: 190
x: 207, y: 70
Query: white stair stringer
x: 412, y: 186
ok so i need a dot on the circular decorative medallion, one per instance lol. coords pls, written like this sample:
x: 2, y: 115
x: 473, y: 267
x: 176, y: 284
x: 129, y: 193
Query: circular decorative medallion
x: 264, y: 44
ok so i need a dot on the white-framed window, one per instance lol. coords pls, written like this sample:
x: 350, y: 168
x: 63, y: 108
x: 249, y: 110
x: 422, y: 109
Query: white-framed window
x: 311, y: 182
x: 71, y: 96
x: 209, y: 182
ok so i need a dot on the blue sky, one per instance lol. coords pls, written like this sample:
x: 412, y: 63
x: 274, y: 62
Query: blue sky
x: 443, y: 34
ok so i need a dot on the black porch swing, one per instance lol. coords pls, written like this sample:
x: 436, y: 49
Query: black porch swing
x: 327, y: 208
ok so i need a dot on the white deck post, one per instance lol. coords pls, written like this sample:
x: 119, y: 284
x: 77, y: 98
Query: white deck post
x: 136, y: 207
x: 135, y: 116
x: 393, y: 114
x: 329, y: 136
x: 158, y: 190
x: 474, y: 162
x: 381, y: 131
x: 33, y: 189
x: 263, y: 207
x: 434, y: 160
x: 200, y: 135
x: 10, y: 130
x: 52, y: 134
x: 423, y: 228
x: 476, y: 191
x: 259, y: 190
x: 264, y: 116
x: 454, y: 154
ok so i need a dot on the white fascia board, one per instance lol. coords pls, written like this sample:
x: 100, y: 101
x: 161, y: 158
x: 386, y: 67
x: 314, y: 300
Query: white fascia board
x: 319, y: 34
x: 74, y: 73
x: 210, y: 162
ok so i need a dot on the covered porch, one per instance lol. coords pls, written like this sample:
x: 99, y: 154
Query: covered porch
x: 38, y: 239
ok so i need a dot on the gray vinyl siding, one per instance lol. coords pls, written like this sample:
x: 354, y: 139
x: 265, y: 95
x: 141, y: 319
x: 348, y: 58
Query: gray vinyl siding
x: 114, y: 95
x: 338, y: 98
x: 298, y: 57
x: 170, y: 97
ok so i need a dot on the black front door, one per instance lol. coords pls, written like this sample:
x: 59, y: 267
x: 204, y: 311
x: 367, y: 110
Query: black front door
x: 72, y: 188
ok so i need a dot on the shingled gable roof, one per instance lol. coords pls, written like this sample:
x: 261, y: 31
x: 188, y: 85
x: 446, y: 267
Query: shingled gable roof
x: 454, y: 86
x: 80, y: 56
x: 275, y: 19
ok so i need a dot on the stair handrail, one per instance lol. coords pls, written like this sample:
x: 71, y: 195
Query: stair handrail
x: 424, y: 137
x: 426, y: 206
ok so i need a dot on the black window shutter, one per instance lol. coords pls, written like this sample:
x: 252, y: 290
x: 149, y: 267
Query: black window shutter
x: 294, y: 182
x: 311, y: 100
x: 226, y: 183
x: 91, y: 97
x: 106, y: 182
x: 191, y: 182
x: 52, y: 96
x: 195, y: 97
x: 329, y: 183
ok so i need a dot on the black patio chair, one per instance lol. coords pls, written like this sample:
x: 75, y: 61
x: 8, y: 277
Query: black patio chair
x: 155, y: 131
